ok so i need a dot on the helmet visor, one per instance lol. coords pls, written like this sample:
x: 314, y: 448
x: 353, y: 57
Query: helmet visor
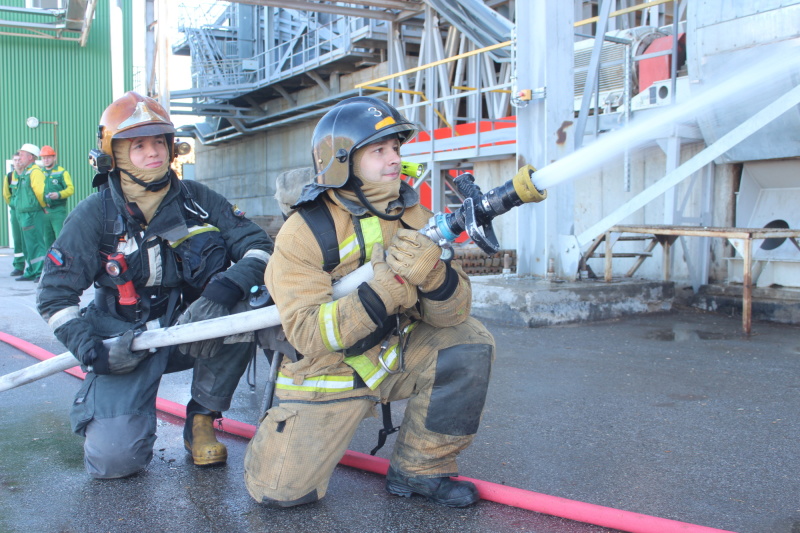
x: 404, y: 131
x: 145, y: 130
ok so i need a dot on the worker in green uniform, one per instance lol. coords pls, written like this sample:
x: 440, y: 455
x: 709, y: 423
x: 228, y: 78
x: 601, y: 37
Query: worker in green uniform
x: 9, y: 195
x: 57, y: 188
x: 30, y: 206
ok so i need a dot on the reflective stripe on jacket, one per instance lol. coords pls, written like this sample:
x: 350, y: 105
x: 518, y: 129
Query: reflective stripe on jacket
x: 371, y: 374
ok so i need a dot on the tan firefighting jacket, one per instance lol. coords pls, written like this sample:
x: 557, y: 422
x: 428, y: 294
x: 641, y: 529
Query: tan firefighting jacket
x: 321, y: 328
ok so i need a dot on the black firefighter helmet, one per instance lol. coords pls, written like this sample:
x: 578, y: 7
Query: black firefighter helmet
x: 352, y: 124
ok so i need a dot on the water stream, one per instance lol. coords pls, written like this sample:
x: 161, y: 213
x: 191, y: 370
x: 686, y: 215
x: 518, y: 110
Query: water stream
x: 745, y: 86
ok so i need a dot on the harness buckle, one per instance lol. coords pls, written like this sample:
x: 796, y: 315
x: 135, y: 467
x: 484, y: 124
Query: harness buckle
x: 385, y: 346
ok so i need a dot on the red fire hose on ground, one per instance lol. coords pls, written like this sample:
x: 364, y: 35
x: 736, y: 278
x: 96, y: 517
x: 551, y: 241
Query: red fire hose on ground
x: 494, y: 492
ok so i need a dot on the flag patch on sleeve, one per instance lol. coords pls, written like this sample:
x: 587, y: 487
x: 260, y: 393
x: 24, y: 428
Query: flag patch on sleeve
x: 55, y: 257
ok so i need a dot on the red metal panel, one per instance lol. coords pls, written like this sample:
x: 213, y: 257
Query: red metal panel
x: 658, y: 68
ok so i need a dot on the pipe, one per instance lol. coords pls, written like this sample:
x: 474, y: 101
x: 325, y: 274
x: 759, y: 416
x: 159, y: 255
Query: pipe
x: 524, y: 499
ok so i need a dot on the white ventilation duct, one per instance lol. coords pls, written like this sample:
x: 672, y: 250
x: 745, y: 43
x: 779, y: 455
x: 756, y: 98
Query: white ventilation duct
x: 769, y: 197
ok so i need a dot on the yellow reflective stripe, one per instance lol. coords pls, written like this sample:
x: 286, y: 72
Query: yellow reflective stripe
x: 373, y: 374
x: 194, y: 230
x: 316, y: 384
x: 361, y: 364
x: 329, y: 326
x: 348, y: 247
x: 371, y: 229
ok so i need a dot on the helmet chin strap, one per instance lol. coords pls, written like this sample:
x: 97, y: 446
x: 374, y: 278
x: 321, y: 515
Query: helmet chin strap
x: 153, y: 186
x: 356, y: 185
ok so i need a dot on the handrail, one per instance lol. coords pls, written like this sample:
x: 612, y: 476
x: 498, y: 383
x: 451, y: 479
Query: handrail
x: 406, y: 91
x: 623, y: 11
x: 435, y: 63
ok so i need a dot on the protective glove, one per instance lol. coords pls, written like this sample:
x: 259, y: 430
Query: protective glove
x: 395, y: 292
x: 416, y: 258
x: 118, y: 358
x: 217, y: 300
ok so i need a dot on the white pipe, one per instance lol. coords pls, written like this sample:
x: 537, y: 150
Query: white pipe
x: 197, y: 331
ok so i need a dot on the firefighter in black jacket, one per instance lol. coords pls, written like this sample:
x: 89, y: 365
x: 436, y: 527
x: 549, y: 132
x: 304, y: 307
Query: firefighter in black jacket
x: 158, y: 250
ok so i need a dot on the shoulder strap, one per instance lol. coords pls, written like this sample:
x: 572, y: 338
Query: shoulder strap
x: 319, y: 219
x: 185, y: 197
x: 113, y: 225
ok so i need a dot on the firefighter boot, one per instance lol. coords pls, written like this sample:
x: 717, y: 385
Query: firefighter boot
x: 441, y: 490
x: 199, y: 438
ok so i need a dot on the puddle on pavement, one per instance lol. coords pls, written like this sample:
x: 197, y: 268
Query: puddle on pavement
x: 683, y: 334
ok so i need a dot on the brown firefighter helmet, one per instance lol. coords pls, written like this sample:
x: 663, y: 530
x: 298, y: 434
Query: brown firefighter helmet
x: 134, y: 115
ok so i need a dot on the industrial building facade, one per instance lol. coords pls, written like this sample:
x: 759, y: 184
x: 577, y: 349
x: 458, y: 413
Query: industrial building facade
x: 496, y: 84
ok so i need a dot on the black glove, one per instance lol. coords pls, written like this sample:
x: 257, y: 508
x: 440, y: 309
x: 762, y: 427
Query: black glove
x: 217, y: 300
x: 118, y: 358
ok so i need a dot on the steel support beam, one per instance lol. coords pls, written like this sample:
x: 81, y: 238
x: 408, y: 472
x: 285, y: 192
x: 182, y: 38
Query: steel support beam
x: 544, y: 57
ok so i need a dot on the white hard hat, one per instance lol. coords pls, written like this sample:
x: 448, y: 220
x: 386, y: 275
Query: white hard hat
x: 31, y: 149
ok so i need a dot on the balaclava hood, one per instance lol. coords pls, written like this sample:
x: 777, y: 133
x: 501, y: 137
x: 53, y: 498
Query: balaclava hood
x: 144, y: 187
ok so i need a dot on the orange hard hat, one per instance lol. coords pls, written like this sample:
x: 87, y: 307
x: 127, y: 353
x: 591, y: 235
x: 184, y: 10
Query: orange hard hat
x: 47, y: 150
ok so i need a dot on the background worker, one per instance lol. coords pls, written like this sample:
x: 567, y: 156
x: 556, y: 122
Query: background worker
x: 30, y: 211
x: 57, y: 188
x: 406, y: 333
x: 156, y: 249
x: 9, y: 195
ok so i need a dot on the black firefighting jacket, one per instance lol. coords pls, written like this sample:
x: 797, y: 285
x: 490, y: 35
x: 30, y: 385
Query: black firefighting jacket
x: 194, y: 235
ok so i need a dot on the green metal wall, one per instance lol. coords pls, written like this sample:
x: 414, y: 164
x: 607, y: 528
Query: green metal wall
x: 59, y: 81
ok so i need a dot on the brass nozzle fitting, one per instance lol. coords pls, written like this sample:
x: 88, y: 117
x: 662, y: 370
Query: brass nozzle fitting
x: 524, y: 187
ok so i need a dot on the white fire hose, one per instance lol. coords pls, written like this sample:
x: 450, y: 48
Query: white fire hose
x: 197, y: 331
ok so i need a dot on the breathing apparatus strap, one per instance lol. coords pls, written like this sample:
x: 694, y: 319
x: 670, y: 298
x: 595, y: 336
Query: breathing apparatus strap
x: 319, y: 219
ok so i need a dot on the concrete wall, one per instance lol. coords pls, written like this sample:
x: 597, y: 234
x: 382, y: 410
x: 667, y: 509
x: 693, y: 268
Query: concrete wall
x: 244, y: 170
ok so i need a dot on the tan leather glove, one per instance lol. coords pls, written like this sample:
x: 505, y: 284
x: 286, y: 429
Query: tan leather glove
x: 395, y: 292
x: 414, y: 256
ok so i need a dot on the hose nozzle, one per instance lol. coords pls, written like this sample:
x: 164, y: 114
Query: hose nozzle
x: 524, y: 187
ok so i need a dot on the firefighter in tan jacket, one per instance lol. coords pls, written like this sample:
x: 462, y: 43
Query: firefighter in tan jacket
x: 406, y: 333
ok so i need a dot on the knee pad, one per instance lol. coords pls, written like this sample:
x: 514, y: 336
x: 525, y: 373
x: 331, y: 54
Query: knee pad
x: 459, y: 389
x: 118, y: 447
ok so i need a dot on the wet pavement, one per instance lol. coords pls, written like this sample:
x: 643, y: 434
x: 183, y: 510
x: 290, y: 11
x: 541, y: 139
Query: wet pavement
x: 674, y: 415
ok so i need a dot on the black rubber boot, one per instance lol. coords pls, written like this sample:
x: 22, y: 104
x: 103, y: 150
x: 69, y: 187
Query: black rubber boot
x: 199, y: 438
x: 441, y: 490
